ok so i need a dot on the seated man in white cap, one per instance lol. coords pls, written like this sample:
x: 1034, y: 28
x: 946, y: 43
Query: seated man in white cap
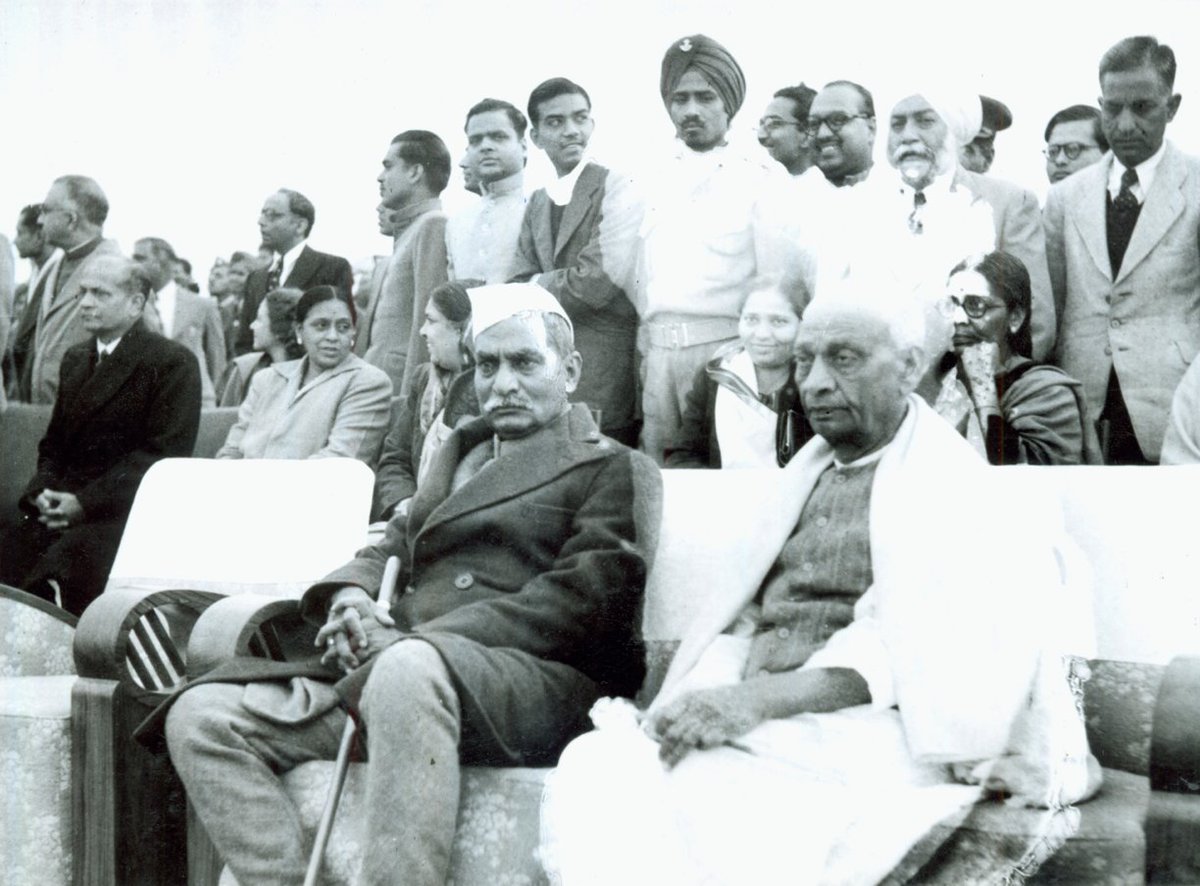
x: 869, y: 648
x: 523, y: 564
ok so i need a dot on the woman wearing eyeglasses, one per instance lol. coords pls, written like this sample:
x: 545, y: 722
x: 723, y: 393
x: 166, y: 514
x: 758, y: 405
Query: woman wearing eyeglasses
x: 1014, y: 410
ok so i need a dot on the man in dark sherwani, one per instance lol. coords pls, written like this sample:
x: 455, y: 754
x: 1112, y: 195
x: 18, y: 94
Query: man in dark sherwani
x: 523, y: 561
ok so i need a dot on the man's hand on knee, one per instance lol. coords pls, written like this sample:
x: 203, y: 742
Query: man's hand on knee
x: 704, y: 719
x: 356, y: 629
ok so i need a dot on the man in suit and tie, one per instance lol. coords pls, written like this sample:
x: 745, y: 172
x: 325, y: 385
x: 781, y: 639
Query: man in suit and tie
x: 128, y: 397
x: 415, y: 171
x: 578, y: 239
x: 72, y: 219
x: 1123, y: 241
x: 285, y: 224
x: 181, y: 315
x: 31, y: 244
x: 524, y: 557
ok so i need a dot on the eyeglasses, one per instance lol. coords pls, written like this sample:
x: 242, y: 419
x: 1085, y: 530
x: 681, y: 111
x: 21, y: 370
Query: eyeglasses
x: 835, y: 122
x: 974, y: 306
x: 1071, y: 149
x: 770, y: 124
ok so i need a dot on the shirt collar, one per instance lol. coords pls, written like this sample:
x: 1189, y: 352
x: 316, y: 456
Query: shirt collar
x: 288, y: 258
x: 402, y: 218
x: 107, y: 349
x: 1145, y: 173
x: 83, y: 248
x: 560, y: 190
x: 505, y: 186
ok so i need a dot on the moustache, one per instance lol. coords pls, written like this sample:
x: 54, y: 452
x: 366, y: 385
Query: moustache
x: 506, y: 403
x: 915, y: 154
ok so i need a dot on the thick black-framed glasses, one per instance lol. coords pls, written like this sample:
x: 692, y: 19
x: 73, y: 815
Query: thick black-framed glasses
x: 835, y: 122
x: 974, y: 306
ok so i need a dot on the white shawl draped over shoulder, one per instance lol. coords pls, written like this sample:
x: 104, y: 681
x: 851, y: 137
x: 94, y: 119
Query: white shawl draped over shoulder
x: 967, y: 586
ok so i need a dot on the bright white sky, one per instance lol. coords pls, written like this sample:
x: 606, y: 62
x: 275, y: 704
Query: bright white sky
x: 190, y: 112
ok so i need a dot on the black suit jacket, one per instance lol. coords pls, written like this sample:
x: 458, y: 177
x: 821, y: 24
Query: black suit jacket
x: 109, y: 425
x: 312, y: 268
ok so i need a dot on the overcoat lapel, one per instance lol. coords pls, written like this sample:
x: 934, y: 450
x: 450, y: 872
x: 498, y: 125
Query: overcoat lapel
x: 548, y: 456
x: 590, y: 179
x: 303, y: 270
x: 1162, y: 206
x: 108, y: 379
x: 1091, y: 218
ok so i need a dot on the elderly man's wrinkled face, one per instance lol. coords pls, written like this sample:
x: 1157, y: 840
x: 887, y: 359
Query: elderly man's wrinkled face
x: 521, y: 381
x: 840, y: 137
x: 1135, y: 108
x: 917, y: 141
x: 698, y: 113
x: 853, y: 381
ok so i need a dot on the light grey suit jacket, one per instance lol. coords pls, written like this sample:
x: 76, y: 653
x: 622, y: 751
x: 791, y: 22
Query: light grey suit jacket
x: 197, y: 326
x: 343, y: 412
x: 61, y: 328
x: 1146, y: 322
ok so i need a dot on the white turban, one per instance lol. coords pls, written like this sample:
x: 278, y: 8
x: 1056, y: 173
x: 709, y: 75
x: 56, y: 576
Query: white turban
x: 962, y: 113
x: 496, y: 303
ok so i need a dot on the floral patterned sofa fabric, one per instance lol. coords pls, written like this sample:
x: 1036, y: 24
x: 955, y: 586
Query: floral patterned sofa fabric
x: 37, y: 674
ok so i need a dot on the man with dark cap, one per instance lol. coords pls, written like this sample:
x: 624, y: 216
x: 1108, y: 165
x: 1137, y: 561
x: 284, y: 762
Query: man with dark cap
x: 977, y: 155
x: 701, y: 245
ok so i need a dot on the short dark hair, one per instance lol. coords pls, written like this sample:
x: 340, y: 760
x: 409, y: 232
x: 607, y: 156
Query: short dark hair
x: 323, y: 293
x: 420, y: 146
x: 300, y: 205
x: 801, y: 96
x: 1136, y: 52
x: 1075, y: 114
x: 868, y: 102
x: 240, y: 256
x: 553, y: 88
x: 28, y: 217
x: 87, y: 196
x: 160, y: 247
x: 281, y: 318
x: 1008, y: 280
x: 495, y: 104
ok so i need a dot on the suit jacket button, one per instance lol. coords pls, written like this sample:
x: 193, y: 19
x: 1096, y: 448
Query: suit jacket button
x: 410, y: 590
x: 464, y: 581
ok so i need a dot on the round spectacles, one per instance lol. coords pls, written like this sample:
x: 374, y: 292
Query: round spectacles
x: 1071, y: 149
x: 974, y: 306
x: 835, y: 122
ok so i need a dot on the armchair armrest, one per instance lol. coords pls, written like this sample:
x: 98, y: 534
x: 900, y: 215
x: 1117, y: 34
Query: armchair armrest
x: 135, y: 637
x: 248, y: 624
x: 1173, y: 818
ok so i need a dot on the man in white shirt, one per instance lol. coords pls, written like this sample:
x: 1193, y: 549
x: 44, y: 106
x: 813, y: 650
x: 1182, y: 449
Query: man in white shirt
x: 181, y: 315
x: 482, y: 239
x: 703, y: 237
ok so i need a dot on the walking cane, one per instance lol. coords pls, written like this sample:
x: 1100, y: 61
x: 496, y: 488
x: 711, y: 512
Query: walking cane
x: 390, y: 572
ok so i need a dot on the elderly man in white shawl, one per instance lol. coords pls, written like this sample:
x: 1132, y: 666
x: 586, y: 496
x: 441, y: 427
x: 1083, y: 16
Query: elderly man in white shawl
x: 872, y: 664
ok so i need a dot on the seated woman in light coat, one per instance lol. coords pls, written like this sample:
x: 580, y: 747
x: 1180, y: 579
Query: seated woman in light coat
x: 328, y: 403
x: 442, y: 391
x: 1013, y: 410
x: 743, y: 410
x: 274, y: 329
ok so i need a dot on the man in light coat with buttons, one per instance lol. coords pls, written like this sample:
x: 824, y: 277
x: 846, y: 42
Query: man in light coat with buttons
x: 524, y: 557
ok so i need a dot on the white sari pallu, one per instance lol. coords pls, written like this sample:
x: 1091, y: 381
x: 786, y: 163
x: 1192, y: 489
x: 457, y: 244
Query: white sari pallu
x: 954, y: 641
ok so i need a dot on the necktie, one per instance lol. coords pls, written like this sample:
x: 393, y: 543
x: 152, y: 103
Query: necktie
x: 101, y: 356
x: 914, y: 219
x: 151, y: 317
x: 1125, y: 201
x: 274, y: 274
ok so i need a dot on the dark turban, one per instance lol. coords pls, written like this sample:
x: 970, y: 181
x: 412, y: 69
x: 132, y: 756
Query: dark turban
x: 712, y: 61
